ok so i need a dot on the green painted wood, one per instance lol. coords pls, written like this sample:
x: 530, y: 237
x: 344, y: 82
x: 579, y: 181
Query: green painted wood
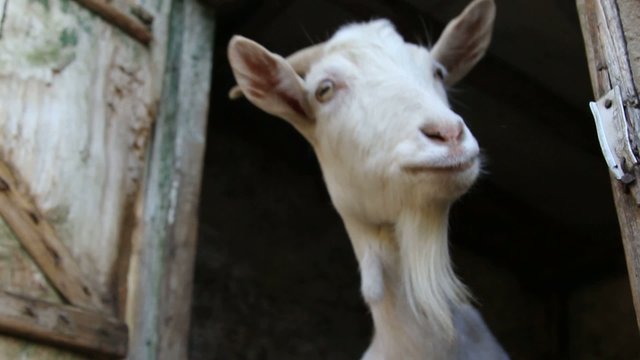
x: 173, y: 187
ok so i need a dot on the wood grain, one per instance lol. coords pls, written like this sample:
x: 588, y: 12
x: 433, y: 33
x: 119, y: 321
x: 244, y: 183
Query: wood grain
x: 192, y: 105
x: 610, y: 65
x: 78, y: 99
x: 77, y: 102
x: 40, y: 240
x: 62, y: 325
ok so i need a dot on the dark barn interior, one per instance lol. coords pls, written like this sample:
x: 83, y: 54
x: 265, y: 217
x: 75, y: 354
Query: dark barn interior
x: 536, y: 239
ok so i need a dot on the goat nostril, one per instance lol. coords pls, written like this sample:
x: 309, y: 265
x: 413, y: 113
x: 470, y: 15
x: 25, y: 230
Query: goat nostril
x: 433, y: 134
x: 443, y: 133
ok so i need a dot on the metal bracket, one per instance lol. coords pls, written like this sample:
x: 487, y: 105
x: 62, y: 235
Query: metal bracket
x: 613, y: 133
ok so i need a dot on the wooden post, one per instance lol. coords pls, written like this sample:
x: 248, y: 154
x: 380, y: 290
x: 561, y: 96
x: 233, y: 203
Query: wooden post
x: 164, y: 258
x: 610, y: 29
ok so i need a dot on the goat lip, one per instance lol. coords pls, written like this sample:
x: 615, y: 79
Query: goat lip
x: 441, y: 168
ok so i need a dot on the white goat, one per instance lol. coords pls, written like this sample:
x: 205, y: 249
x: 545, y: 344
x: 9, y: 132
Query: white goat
x: 394, y: 158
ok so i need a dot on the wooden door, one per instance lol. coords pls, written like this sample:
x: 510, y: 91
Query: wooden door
x: 97, y: 226
x: 611, y: 30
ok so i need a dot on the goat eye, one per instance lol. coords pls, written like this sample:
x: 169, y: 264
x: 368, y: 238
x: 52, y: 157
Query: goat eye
x: 325, y: 90
x: 438, y: 73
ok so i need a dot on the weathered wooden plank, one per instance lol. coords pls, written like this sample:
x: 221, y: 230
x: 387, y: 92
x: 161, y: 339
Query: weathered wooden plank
x: 78, y: 99
x: 62, y: 325
x: 610, y: 65
x: 18, y: 272
x: 164, y: 255
x: 12, y: 347
x: 190, y: 139
x: 39, y: 239
x: 77, y: 103
x: 631, y: 28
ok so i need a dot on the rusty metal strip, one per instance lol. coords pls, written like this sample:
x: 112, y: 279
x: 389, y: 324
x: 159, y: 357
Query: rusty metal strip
x: 117, y: 18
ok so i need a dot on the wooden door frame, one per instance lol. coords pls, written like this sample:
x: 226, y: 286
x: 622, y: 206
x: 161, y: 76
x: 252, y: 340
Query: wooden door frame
x: 606, y: 26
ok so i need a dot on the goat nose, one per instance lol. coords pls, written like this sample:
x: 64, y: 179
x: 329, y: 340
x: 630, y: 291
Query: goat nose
x: 448, y: 133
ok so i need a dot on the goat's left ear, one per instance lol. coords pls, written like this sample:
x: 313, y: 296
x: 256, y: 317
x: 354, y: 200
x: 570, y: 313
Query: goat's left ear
x: 465, y: 39
x: 269, y: 82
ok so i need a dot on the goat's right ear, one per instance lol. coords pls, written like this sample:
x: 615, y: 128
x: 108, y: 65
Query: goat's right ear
x: 269, y: 82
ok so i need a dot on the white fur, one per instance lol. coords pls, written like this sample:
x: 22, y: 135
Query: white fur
x: 392, y: 184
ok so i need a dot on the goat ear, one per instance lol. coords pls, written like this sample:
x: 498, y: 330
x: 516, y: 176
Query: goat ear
x: 465, y: 39
x: 269, y: 82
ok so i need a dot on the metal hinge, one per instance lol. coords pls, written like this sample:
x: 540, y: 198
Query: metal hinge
x: 614, y: 137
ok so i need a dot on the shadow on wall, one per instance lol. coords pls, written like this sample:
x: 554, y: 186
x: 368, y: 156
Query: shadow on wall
x: 275, y: 278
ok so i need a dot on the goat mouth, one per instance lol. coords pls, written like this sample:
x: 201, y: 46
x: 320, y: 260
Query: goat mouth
x: 442, y: 168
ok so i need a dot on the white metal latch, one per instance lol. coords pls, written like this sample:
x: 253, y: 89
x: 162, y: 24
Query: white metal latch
x: 613, y: 133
